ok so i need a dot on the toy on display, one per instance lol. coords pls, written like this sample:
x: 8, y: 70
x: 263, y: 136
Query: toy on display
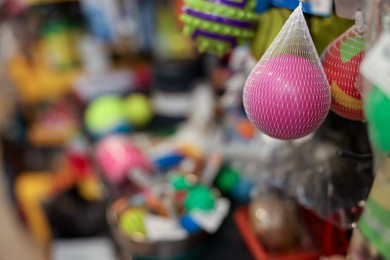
x: 132, y: 222
x: 138, y: 110
x: 287, y: 95
x: 117, y: 156
x: 106, y: 115
x: 341, y: 62
x: 219, y: 26
x: 161, y: 215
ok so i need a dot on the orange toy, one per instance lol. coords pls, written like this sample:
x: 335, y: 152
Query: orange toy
x: 246, y: 129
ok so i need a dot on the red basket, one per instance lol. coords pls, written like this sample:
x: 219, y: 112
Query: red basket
x: 330, y: 239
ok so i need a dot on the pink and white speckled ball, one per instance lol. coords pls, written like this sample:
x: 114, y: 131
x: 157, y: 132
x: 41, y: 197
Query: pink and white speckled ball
x: 287, y: 97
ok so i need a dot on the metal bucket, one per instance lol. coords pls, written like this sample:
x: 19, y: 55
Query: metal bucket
x: 142, y: 248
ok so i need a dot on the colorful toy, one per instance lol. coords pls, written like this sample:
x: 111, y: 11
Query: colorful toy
x: 287, y: 95
x: 132, y: 222
x: 377, y: 107
x: 180, y: 182
x: 116, y: 156
x: 219, y: 26
x: 227, y: 179
x: 168, y: 161
x: 106, y: 115
x: 138, y: 110
x: 200, y: 198
x: 189, y: 224
x: 285, y: 101
x: 341, y: 62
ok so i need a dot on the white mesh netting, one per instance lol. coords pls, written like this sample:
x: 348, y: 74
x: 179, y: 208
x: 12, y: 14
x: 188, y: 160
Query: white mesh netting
x: 287, y: 95
x: 341, y: 62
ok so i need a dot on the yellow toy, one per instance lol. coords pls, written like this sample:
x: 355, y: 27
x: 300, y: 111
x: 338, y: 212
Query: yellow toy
x: 36, y: 81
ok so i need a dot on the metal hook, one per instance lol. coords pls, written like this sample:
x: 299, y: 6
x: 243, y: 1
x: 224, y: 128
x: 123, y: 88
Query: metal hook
x: 355, y: 156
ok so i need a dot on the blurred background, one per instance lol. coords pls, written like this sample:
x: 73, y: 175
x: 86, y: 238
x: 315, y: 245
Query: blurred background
x: 120, y: 140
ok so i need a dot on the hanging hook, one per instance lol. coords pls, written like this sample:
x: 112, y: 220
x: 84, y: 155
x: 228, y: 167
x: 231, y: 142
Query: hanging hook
x: 355, y: 156
x: 359, y: 18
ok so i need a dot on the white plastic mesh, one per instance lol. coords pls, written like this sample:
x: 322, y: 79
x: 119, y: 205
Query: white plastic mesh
x: 287, y: 95
x: 341, y: 63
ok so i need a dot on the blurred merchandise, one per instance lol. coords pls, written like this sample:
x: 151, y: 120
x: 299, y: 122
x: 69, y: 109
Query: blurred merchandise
x: 229, y: 24
x: 172, y: 85
x: 88, y: 87
x: 32, y: 189
x: 47, y: 84
x: 72, y: 216
x: 56, y: 40
x: 59, y: 120
x: 172, y: 44
x: 341, y: 62
x: 105, y: 115
x: 102, y: 17
x: 117, y: 156
x: 138, y: 110
x: 144, y: 230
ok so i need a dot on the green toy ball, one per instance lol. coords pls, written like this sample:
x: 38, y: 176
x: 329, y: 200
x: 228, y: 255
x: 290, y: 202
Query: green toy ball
x: 106, y: 115
x: 377, y: 107
x: 227, y: 179
x: 138, y: 110
x: 200, y: 198
x: 132, y: 222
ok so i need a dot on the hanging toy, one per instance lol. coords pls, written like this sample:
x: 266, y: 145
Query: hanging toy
x: 217, y: 26
x: 287, y: 95
x: 341, y: 62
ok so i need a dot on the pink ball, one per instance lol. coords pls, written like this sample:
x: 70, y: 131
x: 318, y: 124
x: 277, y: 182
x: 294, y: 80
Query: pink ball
x: 116, y: 155
x: 287, y: 97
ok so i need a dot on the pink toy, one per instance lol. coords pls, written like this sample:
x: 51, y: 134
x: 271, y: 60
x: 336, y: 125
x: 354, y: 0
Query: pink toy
x: 287, y: 97
x: 116, y: 155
